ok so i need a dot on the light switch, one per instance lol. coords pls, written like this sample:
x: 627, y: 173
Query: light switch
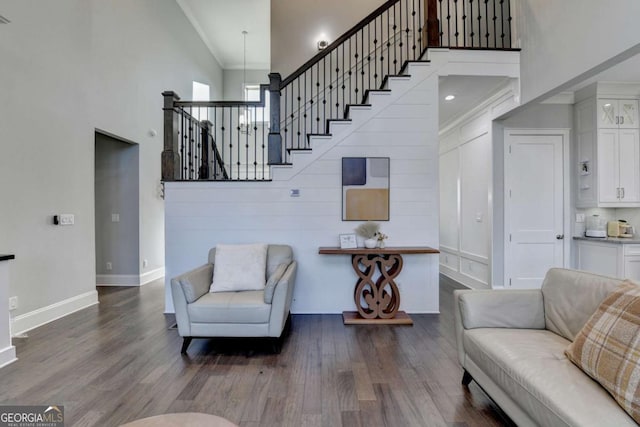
x: 479, y: 216
x: 67, y: 219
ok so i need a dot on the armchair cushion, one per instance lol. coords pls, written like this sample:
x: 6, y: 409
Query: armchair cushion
x: 239, y: 268
x: 270, y: 287
x: 230, y: 307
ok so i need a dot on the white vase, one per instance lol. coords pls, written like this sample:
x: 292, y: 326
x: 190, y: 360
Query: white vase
x: 370, y: 243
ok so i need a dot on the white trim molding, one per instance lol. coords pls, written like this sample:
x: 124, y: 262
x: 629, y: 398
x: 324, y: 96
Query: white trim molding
x: 33, y: 319
x: 129, y: 279
x: 7, y: 356
x: 152, y: 275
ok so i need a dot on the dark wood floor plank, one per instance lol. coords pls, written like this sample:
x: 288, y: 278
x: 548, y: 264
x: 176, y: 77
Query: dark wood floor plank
x: 119, y: 361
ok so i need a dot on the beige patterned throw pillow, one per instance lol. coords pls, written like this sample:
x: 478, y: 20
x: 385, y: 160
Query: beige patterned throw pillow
x: 608, y: 347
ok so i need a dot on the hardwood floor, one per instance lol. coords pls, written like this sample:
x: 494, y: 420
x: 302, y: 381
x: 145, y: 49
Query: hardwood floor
x: 119, y: 361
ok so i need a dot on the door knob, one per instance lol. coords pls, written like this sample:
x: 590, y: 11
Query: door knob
x: 559, y: 236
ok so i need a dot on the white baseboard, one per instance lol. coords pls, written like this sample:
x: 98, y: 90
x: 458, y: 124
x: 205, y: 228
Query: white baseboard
x: 117, y: 280
x: 25, y: 322
x: 7, y: 356
x: 152, y: 275
x: 129, y: 279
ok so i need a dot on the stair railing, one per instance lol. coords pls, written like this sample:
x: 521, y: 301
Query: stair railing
x: 215, y: 140
x: 244, y: 139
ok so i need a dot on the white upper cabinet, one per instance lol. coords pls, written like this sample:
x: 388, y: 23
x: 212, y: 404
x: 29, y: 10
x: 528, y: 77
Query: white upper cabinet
x: 608, y: 151
x: 617, y: 114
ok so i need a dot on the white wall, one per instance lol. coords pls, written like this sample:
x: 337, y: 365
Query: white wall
x: 69, y: 67
x: 296, y: 26
x: 46, y: 153
x: 152, y: 48
x: 233, y: 80
x: 402, y: 126
x: 563, y: 39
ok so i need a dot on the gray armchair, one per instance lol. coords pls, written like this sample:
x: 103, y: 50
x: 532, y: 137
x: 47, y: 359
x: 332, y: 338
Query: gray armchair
x: 263, y: 313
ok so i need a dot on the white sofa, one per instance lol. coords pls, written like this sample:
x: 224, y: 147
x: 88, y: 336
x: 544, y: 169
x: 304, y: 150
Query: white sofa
x: 512, y: 342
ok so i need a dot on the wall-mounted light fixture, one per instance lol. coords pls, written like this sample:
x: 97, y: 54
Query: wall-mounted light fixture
x: 449, y: 97
x: 322, y: 44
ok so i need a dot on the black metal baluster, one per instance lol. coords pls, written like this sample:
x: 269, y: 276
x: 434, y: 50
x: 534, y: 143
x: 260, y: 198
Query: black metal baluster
x: 486, y: 18
x: 413, y: 29
x: 255, y: 141
x: 337, y: 116
x: 400, y: 35
x: 509, y: 20
x: 330, y: 89
x: 423, y: 28
x: 350, y: 75
x: 304, y: 109
x: 393, y: 44
x: 388, y: 45
x: 324, y: 92
x: 263, y: 145
x: 502, y: 24
x: 364, y: 90
x: 479, y: 23
x: 344, y: 86
x: 311, y: 105
x: 406, y: 18
x: 495, y: 31
x: 299, y: 115
x: 455, y: 9
x: 375, y: 55
x: 471, y: 33
x: 448, y: 22
x: 317, y: 98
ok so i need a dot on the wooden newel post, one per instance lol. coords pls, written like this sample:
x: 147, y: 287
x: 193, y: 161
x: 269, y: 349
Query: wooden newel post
x: 275, y: 139
x: 170, y: 154
x: 204, y: 149
x: 431, y: 29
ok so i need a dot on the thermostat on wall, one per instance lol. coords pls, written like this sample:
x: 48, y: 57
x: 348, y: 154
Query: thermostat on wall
x: 64, y: 219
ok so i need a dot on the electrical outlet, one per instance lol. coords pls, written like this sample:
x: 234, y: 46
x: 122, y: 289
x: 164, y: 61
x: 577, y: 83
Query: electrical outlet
x: 145, y: 263
x: 109, y: 266
x: 67, y: 219
x: 579, y: 217
x: 13, y: 303
x: 115, y: 217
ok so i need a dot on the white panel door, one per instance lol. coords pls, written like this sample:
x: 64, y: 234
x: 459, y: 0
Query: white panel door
x: 534, y: 206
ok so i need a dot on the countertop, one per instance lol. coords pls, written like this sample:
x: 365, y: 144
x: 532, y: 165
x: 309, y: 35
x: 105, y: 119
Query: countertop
x: 614, y: 240
x: 6, y: 257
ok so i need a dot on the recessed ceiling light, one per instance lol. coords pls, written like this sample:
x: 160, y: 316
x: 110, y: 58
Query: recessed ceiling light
x: 449, y: 97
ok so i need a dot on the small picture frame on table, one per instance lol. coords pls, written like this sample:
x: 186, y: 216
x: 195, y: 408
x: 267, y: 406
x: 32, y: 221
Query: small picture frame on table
x: 348, y: 241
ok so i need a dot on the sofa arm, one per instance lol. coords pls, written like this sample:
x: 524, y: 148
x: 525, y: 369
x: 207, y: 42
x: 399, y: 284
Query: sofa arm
x: 281, y: 303
x: 521, y: 309
x: 185, y: 289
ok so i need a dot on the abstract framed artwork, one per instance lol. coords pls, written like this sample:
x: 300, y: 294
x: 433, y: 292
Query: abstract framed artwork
x: 365, y: 188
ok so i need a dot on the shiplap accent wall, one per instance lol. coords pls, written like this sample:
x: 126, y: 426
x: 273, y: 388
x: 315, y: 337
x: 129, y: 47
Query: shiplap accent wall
x: 401, y: 125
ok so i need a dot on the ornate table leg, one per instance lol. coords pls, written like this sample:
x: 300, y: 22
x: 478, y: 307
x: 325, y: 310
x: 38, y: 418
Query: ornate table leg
x: 382, y: 297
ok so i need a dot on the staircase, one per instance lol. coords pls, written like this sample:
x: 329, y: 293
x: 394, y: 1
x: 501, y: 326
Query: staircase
x: 242, y: 141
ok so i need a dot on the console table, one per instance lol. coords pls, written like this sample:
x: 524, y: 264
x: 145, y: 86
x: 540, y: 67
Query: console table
x: 381, y: 296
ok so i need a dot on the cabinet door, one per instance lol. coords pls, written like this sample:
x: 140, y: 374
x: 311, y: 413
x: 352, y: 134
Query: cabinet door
x: 608, y: 166
x: 629, y: 153
x: 632, y: 267
x: 628, y: 113
x: 600, y: 258
x: 607, y: 113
